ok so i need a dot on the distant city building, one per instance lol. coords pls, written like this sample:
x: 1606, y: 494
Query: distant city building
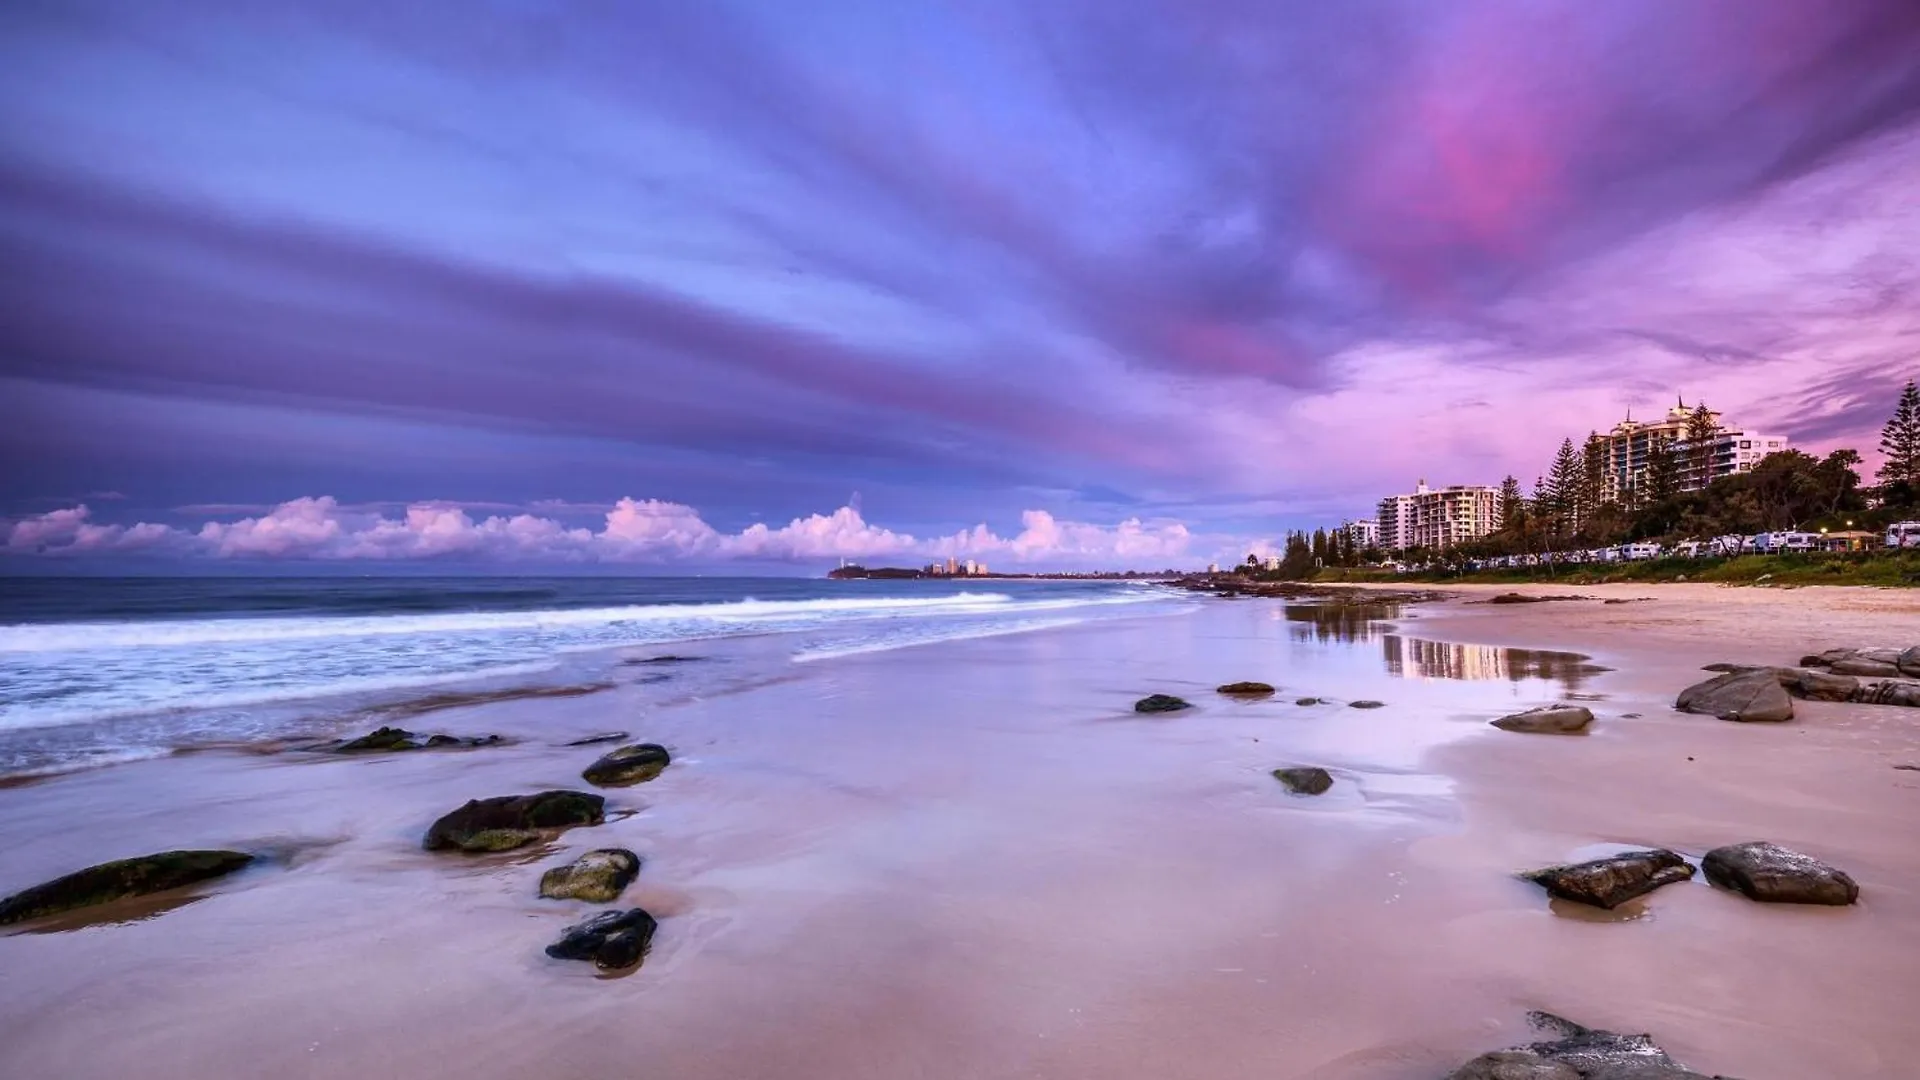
x: 1437, y: 517
x: 1631, y: 445
x: 953, y: 566
x: 1362, y: 534
x: 1271, y: 562
x: 1213, y: 568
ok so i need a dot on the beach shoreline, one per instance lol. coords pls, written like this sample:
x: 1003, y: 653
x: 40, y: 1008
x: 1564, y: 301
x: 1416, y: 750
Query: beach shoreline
x: 971, y: 859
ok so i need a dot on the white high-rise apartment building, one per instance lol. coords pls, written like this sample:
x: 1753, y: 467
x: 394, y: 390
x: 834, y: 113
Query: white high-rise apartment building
x: 1438, y: 517
x: 1631, y: 445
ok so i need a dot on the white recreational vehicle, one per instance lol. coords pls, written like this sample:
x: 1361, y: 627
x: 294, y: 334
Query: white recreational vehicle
x: 1903, y: 534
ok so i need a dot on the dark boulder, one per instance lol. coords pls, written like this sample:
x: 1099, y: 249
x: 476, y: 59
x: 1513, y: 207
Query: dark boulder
x: 392, y: 739
x: 1909, y: 662
x: 119, y: 880
x: 1579, y: 1053
x: 510, y: 821
x: 1159, y: 703
x: 1776, y: 875
x: 612, y: 939
x: 1246, y: 689
x: 1305, y: 779
x: 1548, y: 720
x: 1308, y: 701
x: 667, y: 659
x: 1745, y: 696
x: 1614, y: 880
x: 628, y: 765
x: 1363, y: 704
x: 603, y: 737
x: 597, y: 877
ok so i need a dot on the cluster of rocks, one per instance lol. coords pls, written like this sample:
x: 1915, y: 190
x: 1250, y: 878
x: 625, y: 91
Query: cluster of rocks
x: 612, y: 940
x: 1758, y: 870
x: 1578, y: 1053
x: 1760, y: 693
x: 393, y: 739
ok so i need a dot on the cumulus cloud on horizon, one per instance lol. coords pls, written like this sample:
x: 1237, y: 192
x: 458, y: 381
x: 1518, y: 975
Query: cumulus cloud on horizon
x: 634, y: 531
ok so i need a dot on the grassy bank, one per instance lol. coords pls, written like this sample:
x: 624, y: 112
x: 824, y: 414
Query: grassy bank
x: 1893, y: 569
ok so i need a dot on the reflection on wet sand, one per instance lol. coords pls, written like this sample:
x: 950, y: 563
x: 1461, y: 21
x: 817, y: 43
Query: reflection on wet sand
x: 1340, y: 622
x: 1418, y: 658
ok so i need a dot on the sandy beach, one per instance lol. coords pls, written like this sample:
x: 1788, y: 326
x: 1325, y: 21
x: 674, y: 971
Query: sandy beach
x: 972, y: 859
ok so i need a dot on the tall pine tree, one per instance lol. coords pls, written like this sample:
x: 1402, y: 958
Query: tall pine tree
x: 1512, y: 506
x: 1703, y: 436
x: 1900, y: 441
x: 1563, y: 485
x: 1593, y: 476
x: 1663, y: 470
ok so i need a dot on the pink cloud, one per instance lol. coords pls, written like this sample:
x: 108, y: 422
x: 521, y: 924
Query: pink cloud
x: 635, y: 531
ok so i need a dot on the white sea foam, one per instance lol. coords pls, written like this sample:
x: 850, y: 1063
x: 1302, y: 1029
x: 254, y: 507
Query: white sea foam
x: 67, y: 637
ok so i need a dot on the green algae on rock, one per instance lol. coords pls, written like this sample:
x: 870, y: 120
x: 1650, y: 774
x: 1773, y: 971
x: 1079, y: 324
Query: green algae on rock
x: 628, y: 765
x: 119, y: 880
x: 510, y: 821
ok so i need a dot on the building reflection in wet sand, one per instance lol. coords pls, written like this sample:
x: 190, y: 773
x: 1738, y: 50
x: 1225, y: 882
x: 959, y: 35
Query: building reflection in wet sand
x: 1418, y: 658
x: 1340, y: 622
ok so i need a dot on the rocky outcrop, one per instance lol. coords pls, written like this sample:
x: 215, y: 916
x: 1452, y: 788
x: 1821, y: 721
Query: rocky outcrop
x: 119, y: 880
x: 393, y: 739
x: 1160, y: 703
x: 1745, y: 696
x: 1614, y: 880
x: 1305, y: 779
x: 1364, y: 704
x: 1889, y: 692
x: 1246, y: 689
x: 510, y: 821
x: 598, y: 877
x: 628, y: 765
x: 1874, y: 663
x: 1548, y: 720
x: 1772, y: 874
x: 613, y: 940
x: 1578, y: 1053
x: 603, y: 737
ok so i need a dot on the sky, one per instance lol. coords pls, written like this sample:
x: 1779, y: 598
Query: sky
x: 660, y: 285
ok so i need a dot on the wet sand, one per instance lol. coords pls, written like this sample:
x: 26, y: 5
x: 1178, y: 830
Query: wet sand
x: 972, y: 860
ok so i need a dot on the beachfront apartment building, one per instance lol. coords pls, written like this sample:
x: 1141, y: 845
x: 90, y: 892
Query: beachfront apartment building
x: 1632, y: 444
x: 1437, y: 517
x: 1362, y: 534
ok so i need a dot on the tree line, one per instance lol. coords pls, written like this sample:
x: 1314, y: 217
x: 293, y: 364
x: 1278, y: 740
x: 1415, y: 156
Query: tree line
x: 1572, y: 506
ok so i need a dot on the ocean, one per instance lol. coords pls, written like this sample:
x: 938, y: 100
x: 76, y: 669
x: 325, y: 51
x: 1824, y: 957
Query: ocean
x: 95, y: 670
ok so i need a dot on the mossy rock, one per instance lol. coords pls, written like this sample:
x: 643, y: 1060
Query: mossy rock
x: 510, y: 821
x: 628, y: 765
x: 1160, y: 703
x: 385, y: 739
x: 1246, y: 689
x: 1305, y: 779
x: 597, y: 877
x: 120, y: 880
